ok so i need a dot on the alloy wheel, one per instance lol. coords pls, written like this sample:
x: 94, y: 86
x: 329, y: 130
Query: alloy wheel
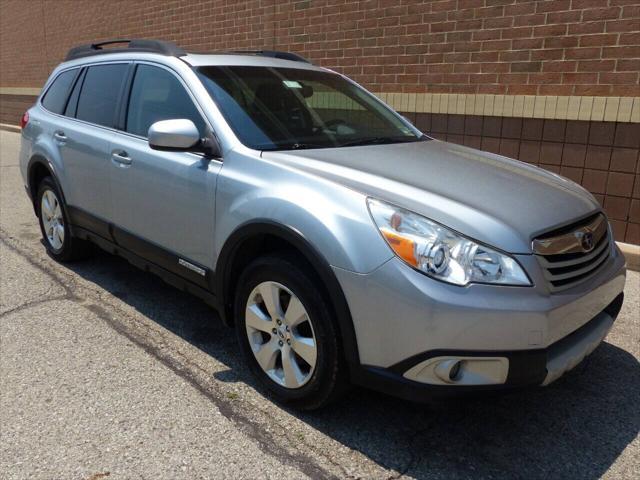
x: 52, y: 219
x: 281, y: 335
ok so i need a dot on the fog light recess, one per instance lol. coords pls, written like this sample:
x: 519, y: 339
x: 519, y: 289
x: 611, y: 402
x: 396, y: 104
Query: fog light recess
x: 460, y: 371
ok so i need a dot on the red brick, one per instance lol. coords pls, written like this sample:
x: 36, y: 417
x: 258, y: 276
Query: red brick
x: 621, y: 25
x: 551, y: 54
x: 620, y: 52
x: 598, y: 40
x: 561, y: 42
x: 556, y: 90
x: 530, y: 20
x: 631, y: 11
x: 580, y: 53
x: 596, y: 65
x: 619, y: 228
x: 620, y: 184
x: 617, y: 207
x: 628, y: 65
x: 522, y: 89
x: 489, y: 12
x: 494, y: 67
x: 550, y: 31
x: 624, y: 78
x: 633, y: 233
x: 545, y: 78
x: 526, y: 43
x: 601, y: 14
x: 598, y: 90
x: 595, y: 181
x: 630, y: 38
x: 576, y: 78
x: 515, y: 55
x: 552, y: 5
x: 583, y: 28
x: 634, y: 211
x: 500, y: 22
x: 560, y: 66
x: 581, y: 4
x: 519, y: 9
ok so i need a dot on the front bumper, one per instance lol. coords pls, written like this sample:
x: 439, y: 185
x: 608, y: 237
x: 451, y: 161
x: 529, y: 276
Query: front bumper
x: 403, y: 318
x: 526, y: 368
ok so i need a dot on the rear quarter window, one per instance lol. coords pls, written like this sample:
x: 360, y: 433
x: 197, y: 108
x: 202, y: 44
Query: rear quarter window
x: 55, y: 98
x: 100, y: 91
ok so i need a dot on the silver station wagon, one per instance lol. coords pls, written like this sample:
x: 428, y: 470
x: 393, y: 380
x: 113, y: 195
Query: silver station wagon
x: 344, y: 245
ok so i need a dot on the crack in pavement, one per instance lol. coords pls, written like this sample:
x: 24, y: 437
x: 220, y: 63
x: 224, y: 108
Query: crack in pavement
x: 267, y: 442
x: 32, y: 303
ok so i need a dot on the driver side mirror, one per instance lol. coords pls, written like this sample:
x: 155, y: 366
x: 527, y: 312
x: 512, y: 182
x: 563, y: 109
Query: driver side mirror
x: 181, y: 135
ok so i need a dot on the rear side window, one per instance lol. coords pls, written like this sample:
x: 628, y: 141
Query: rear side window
x: 158, y: 95
x: 99, y: 96
x: 56, y: 97
x: 72, y: 104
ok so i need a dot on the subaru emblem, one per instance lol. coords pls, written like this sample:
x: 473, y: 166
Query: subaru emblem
x: 586, y: 241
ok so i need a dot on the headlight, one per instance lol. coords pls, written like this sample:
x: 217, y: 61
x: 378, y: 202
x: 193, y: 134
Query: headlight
x: 441, y: 253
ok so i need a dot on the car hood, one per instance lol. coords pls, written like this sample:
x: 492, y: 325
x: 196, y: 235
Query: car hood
x: 495, y: 200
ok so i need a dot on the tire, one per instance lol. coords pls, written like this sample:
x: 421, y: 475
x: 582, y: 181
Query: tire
x: 292, y: 284
x: 54, y: 224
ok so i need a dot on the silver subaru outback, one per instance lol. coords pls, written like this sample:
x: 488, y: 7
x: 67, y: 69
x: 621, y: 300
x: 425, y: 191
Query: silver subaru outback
x: 344, y: 245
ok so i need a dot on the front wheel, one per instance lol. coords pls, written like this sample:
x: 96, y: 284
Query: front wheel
x: 287, y: 334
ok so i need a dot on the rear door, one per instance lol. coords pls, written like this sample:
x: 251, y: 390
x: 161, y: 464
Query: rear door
x: 163, y: 202
x: 85, y: 142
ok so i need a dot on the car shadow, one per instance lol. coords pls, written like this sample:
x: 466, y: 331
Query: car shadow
x: 575, y: 428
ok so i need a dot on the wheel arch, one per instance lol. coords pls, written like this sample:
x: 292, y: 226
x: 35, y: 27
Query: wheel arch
x: 260, y: 237
x: 37, y: 169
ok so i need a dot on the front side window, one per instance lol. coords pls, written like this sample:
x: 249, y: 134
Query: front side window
x: 156, y: 95
x: 288, y: 108
x: 56, y: 97
x: 100, y: 91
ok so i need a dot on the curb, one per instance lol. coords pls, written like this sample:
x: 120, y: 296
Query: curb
x: 632, y: 254
x: 10, y: 128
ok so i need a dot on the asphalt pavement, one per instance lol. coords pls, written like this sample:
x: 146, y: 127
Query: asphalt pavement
x: 107, y: 372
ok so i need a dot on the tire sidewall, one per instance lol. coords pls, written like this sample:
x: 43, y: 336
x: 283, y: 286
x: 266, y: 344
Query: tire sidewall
x: 287, y: 273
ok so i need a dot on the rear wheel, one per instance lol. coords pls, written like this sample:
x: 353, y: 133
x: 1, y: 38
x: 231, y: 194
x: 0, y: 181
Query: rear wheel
x: 286, y: 330
x: 54, y: 225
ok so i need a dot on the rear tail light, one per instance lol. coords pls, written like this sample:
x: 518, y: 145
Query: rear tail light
x: 24, y: 120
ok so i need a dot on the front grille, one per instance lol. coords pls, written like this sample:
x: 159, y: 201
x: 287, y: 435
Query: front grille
x: 568, y: 258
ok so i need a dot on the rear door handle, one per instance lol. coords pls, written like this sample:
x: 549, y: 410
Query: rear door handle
x: 120, y: 156
x: 60, y: 136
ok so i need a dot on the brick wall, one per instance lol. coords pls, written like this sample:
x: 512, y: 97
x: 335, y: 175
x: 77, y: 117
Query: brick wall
x: 578, y: 49
x: 557, y: 47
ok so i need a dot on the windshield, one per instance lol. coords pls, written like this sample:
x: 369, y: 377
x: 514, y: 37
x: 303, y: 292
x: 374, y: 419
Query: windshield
x: 290, y: 108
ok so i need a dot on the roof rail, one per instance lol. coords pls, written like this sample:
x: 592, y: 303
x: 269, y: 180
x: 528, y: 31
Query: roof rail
x: 134, y: 45
x: 275, y: 54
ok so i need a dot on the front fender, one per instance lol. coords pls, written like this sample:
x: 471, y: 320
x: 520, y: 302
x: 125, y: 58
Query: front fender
x: 333, y: 219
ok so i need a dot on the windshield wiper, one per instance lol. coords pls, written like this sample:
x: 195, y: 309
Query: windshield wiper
x: 380, y: 141
x: 295, y: 146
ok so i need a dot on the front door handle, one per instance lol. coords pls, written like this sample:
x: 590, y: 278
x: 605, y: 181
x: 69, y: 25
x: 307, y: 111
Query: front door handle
x: 120, y: 156
x: 60, y: 136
